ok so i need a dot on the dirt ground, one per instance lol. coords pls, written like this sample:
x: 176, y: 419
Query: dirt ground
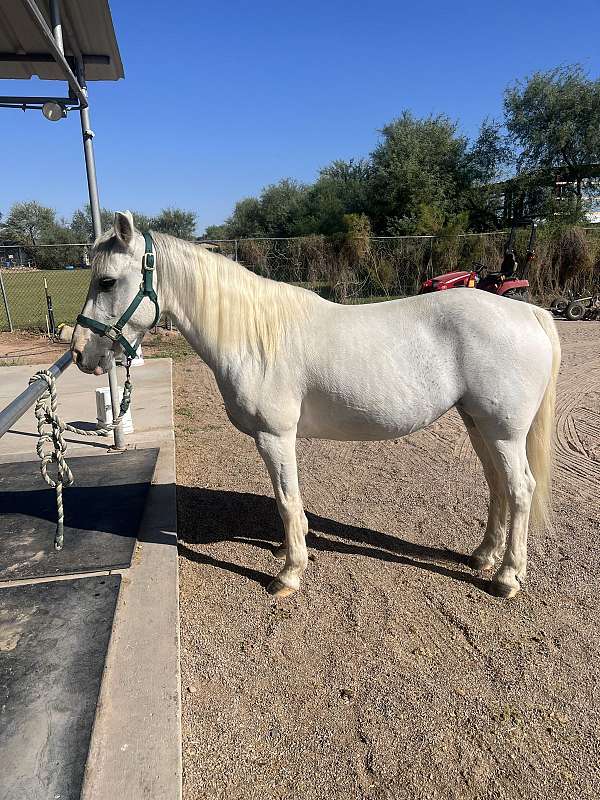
x: 28, y: 348
x: 392, y: 674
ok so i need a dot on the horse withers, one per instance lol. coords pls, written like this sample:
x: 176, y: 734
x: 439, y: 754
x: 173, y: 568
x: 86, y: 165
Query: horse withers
x: 290, y: 364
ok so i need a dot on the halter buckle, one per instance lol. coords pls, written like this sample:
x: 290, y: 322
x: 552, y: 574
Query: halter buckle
x: 146, y: 258
x: 113, y: 333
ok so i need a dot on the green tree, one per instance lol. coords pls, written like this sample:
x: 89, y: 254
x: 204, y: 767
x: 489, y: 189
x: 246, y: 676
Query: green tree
x: 488, y: 161
x: 81, y: 223
x: 246, y: 220
x: 29, y: 223
x: 277, y: 212
x: 554, y: 119
x: 282, y: 205
x: 83, y: 229
x: 176, y: 222
x: 142, y: 222
x: 216, y: 232
x: 341, y: 189
x: 490, y: 155
x: 418, y: 161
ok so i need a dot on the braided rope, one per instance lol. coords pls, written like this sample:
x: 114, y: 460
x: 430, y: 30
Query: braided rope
x: 51, y: 446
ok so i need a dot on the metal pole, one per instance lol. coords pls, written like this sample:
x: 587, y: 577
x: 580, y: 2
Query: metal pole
x: 26, y: 399
x: 90, y: 167
x: 6, y: 306
x: 56, y: 24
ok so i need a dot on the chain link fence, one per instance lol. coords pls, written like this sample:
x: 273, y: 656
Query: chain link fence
x: 354, y: 269
x: 25, y: 271
x: 358, y: 269
x: 341, y: 268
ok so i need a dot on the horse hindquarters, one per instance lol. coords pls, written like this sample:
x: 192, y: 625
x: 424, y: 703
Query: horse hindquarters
x: 521, y: 473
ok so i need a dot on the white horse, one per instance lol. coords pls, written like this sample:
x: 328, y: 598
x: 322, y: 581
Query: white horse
x: 290, y: 364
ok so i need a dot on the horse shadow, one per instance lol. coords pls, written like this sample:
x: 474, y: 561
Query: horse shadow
x: 212, y: 515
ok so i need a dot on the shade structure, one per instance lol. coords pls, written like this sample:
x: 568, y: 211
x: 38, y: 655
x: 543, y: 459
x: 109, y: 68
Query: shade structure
x: 87, y: 29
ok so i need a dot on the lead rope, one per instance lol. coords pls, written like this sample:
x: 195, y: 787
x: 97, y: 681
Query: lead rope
x: 46, y: 415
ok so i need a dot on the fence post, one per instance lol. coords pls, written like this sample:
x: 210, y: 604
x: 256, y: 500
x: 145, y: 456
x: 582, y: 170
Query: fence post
x: 6, y: 306
x: 430, y: 257
x: 236, y: 250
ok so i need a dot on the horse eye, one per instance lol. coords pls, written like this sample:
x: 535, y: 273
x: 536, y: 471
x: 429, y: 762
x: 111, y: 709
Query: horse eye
x: 106, y: 284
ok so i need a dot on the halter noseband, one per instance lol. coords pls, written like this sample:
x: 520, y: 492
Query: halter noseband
x: 115, y: 332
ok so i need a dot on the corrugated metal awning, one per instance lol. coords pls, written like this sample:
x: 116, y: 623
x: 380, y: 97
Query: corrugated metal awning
x: 87, y: 30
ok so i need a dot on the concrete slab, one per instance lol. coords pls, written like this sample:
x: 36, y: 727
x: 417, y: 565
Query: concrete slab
x: 152, y: 406
x: 136, y: 746
x: 53, y: 642
x: 135, y: 750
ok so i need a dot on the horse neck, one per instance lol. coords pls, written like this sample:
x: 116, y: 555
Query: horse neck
x: 178, y: 276
x: 223, y: 310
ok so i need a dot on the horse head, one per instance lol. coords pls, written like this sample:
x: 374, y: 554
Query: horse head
x: 117, y: 313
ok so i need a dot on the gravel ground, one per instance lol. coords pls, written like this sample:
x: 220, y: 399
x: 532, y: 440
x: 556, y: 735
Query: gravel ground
x: 392, y: 674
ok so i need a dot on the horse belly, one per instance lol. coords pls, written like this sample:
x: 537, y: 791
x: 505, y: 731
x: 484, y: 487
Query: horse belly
x: 372, y: 418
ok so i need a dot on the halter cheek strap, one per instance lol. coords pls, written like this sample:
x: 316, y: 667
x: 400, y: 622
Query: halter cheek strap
x: 115, y: 332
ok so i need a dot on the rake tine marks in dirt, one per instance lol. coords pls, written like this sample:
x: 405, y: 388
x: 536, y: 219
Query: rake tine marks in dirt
x: 466, y: 643
x: 572, y: 457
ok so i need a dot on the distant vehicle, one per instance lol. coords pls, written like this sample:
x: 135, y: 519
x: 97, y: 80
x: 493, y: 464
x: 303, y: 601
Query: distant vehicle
x: 576, y: 308
x: 507, y: 282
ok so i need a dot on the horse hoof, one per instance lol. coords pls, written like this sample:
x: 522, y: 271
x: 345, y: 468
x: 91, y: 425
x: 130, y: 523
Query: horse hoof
x: 278, y: 589
x: 504, y: 590
x: 280, y: 552
x: 481, y: 563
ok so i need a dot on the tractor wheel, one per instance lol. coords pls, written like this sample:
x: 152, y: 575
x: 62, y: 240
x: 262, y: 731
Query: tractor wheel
x: 517, y: 294
x: 559, y: 305
x: 575, y: 311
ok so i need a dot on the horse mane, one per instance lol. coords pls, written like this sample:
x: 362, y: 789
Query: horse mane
x: 233, y: 308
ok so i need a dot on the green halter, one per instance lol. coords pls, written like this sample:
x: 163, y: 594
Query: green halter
x: 115, y: 332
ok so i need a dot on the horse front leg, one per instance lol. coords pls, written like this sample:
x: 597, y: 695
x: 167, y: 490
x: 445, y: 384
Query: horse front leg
x: 279, y: 454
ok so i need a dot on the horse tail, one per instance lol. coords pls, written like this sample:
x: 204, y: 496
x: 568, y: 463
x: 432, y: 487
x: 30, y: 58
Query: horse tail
x: 541, y: 433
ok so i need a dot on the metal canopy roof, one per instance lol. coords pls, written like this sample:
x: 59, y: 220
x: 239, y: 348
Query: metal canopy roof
x: 87, y: 30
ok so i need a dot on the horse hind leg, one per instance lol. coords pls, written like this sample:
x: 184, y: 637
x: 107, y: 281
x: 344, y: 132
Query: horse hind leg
x: 487, y: 553
x: 510, y: 459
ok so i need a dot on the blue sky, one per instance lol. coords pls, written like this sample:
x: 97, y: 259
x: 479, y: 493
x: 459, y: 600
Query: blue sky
x: 221, y: 99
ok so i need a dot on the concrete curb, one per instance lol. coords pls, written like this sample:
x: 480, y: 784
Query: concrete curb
x: 136, y: 741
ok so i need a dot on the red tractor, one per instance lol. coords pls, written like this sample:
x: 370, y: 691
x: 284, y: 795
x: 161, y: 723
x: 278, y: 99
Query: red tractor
x: 507, y: 282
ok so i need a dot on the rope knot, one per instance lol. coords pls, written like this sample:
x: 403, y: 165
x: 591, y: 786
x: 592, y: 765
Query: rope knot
x: 51, y: 445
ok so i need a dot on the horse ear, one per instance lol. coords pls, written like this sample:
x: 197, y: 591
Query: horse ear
x: 124, y: 227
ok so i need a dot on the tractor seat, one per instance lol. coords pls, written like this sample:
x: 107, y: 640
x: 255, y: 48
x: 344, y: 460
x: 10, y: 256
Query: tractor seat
x: 509, y: 264
x: 496, y: 275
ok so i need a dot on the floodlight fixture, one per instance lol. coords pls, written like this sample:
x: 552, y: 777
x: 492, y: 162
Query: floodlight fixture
x: 53, y: 111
